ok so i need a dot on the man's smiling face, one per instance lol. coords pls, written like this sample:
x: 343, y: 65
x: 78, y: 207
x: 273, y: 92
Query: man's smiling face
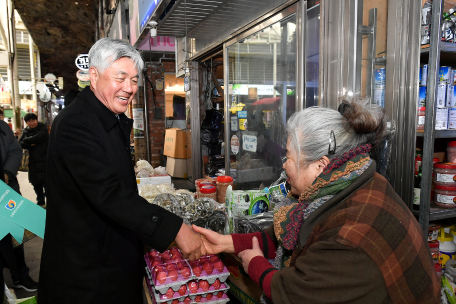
x: 117, y: 85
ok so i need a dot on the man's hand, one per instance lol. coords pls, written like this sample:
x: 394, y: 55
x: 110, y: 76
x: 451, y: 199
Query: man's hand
x: 248, y: 254
x: 214, y: 242
x: 190, y: 243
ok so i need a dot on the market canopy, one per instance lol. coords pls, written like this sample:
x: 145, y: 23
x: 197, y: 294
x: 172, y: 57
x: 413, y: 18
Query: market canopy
x: 265, y: 101
x: 9, y: 113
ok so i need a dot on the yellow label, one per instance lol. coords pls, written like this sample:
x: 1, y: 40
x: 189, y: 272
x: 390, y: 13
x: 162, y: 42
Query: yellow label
x: 242, y: 124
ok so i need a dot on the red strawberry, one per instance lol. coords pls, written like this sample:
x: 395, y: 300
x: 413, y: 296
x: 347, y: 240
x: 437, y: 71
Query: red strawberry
x: 198, y: 298
x: 176, y: 301
x: 159, y: 268
x: 217, y: 284
x: 220, y: 294
x: 170, y: 293
x: 170, y: 267
x: 182, y: 290
x: 187, y: 300
x: 219, y: 266
x: 209, y: 296
x: 154, y: 253
x: 173, y: 275
x: 208, y: 267
x: 185, y: 272
x: 166, y: 255
x: 167, y: 261
x: 193, y: 286
x: 214, y: 259
x: 204, y: 285
x: 197, y: 270
x: 161, y: 277
x: 155, y: 263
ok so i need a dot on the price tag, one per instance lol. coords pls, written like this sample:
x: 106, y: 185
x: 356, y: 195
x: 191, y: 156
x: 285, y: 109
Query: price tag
x: 249, y: 143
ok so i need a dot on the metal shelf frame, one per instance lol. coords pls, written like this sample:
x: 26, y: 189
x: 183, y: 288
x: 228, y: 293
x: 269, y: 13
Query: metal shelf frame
x: 429, y: 133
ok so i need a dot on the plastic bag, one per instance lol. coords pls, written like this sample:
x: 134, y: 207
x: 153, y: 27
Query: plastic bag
x: 144, y: 164
x: 253, y: 223
x: 160, y: 171
x: 143, y: 173
x: 9, y: 296
x: 216, y: 222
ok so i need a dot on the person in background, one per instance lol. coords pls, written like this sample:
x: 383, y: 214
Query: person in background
x: 343, y: 235
x: 2, y: 115
x: 96, y: 222
x: 35, y: 138
x: 13, y: 259
x: 70, y: 96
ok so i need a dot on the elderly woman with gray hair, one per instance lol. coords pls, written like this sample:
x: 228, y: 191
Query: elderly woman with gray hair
x: 343, y: 235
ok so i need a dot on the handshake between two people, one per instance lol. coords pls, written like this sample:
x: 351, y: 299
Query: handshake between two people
x: 194, y: 242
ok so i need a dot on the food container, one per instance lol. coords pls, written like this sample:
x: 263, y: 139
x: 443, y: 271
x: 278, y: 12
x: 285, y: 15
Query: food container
x: 434, y: 246
x: 418, y: 160
x: 451, y: 152
x: 445, y: 174
x: 445, y: 197
x: 222, y: 184
x: 208, y: 191
x: 421, y: 113
x: 447, y: 247
x: 433, y: 232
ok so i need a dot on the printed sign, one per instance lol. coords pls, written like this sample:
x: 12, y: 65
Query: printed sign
x: 138, y: 123
x: 18, y: 213
x: 234, y: 144
x: 158, y: 44
x: 249, y: 143
x: 242, y: 114
x: 242, y: 124
x: 83, y: 75
x: 82, y: 62
x: 83, y: 84
x: 234, y: 123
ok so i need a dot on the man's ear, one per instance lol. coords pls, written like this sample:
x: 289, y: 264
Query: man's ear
x: 93, y: 74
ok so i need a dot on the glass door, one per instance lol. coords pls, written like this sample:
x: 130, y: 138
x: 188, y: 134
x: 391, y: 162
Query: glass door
x: 261, y: 76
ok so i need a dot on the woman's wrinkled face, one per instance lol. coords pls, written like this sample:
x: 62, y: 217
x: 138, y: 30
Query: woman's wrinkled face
x: 303, y: 178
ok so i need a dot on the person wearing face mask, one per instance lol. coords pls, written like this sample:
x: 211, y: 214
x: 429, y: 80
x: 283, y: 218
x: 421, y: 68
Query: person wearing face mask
x: 96, y: 222
x: 343, y: 235
x: 35, y: 138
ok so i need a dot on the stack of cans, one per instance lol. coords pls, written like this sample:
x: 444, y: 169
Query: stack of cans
x: 379, y: 87
x: 446, y: 100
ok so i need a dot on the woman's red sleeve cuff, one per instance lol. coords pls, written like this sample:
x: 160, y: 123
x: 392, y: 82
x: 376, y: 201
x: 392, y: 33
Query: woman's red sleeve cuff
x: 242, y: 242
x: 261, y: 272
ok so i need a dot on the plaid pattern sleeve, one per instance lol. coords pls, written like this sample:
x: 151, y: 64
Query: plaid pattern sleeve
x: 244, y: 241
x: 377, y: 222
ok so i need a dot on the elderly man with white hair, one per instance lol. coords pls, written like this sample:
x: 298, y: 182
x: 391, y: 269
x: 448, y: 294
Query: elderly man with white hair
x: 97, y: 223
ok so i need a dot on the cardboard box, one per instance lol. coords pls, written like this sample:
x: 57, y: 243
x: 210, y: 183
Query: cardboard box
x: 154, y: 180
x: 189, y: 143
x: 176, y: 143
x: 176, y: 167
x: 241, y: 285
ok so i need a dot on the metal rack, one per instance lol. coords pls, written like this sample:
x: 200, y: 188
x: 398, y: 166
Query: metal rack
x: 436, y: 47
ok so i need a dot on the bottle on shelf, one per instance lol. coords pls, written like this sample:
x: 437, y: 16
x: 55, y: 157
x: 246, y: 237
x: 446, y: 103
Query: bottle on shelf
x: 417, y: 190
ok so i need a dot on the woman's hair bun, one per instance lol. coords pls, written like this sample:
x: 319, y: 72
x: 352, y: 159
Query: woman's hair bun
x: 363, y: 117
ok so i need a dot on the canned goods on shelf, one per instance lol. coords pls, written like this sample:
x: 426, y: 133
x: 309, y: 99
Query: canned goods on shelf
x: 441, y: 119
x: 422, y: 97
x: 441, y: 95
x: 452, y: 118
x: 380, y: 77
x: 423, y: 75
x: 446, y: 75
x: 445, y: 174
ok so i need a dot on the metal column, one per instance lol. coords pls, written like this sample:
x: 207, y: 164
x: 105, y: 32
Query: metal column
x: 429, y: 122
x: 195, y: 120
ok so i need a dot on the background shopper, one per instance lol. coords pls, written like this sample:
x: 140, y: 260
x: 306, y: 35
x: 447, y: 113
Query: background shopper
x: 96, y: 222
x: 345, y: 236
x: 35, y: 138
x: 13, y: 259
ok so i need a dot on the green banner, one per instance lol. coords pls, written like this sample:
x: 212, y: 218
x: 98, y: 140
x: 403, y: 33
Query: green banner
x: 18, y: 213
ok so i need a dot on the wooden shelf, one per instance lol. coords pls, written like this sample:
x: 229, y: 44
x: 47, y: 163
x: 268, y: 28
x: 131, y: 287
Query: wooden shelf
x: 447, y: 47
x: 439, y: 133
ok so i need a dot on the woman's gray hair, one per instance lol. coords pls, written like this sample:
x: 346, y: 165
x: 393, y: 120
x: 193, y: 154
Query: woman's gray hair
x: 355, y: 124
x: 107, y: 50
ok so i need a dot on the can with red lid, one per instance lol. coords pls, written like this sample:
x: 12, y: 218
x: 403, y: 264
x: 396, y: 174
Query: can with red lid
x: 445, y: 197
x: 445, y: 174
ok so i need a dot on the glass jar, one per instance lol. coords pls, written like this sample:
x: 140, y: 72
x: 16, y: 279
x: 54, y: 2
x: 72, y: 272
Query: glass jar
x: 222, y: 184
x: 420, y: 120
x: 445, y: 197
x: 208, y: 191
x: 451, y: 152
x: 445, y: 174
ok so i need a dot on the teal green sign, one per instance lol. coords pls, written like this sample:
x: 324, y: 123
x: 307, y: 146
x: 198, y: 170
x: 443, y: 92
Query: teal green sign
x: 18, y: 213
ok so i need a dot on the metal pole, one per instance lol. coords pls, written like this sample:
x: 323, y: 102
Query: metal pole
x: 429, y: 121
x: 32, y: 70
x: 146, y: 118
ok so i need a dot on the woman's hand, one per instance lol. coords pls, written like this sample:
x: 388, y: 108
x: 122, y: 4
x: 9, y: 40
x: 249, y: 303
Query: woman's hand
x: 214, y: 242
x: 248, y: 254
